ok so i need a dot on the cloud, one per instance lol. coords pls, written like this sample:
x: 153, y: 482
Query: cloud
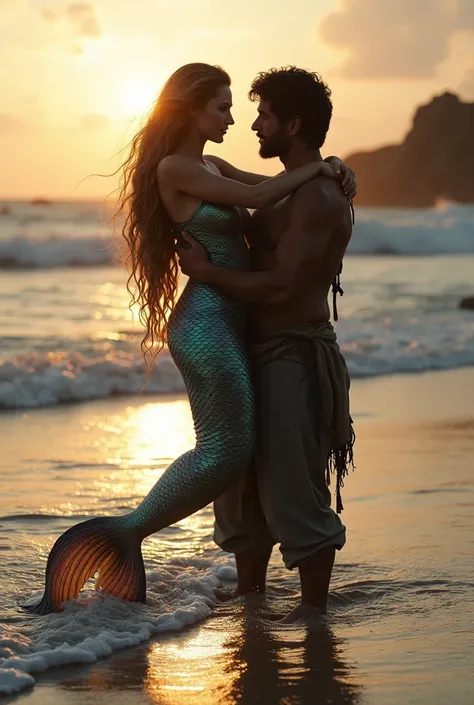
x: 403, y: 39
x: 466, y: 12
x: 49, y: 15
x: 466, y: 87
x: 82, y: 16
x: 95, y: 121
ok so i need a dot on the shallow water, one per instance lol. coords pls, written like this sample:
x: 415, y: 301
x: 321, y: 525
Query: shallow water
x: 400, y: 623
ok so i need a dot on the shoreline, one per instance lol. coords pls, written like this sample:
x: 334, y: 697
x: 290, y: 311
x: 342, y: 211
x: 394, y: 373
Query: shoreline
x: 366, y: 392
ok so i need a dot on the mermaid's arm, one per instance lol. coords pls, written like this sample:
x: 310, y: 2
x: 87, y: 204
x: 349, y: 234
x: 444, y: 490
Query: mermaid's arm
x: 185, y: 175
x: 229, y: 171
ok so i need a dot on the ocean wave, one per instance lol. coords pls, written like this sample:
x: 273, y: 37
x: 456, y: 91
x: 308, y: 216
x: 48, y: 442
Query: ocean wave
x: 371, y: 348
x: 413, y: 233
x: 445, y: 230
x: 37, y: 380
x: 22, y: 252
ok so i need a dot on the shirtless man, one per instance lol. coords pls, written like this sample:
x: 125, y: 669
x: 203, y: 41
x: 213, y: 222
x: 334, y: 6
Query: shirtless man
x: 302, y: 386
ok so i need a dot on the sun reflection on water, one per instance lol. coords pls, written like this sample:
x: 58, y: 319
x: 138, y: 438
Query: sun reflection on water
x: 141, y: 442
x: 160, y: 431
x: 202, y: 656
x: 244, y: 658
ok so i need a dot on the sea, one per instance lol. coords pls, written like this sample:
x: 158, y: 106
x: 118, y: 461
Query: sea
x: 83, y: 434
x: 67, y: 333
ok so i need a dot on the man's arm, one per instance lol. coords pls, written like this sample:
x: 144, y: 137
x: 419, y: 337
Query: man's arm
x: 299, y: 251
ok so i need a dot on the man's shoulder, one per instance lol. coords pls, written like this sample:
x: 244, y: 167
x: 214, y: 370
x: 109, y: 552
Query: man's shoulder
x: 320, y: 198
x: 324, y: 189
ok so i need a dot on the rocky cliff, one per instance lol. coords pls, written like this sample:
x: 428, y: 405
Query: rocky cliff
x: 436, y: 160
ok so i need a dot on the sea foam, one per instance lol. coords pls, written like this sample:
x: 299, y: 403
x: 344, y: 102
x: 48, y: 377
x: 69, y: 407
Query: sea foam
x: 96, y: 625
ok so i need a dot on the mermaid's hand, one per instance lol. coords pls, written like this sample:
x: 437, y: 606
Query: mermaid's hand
x: 345, y: 174
x: 193, y: 259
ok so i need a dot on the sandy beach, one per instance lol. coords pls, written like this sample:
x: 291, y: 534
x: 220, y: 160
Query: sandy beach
x: 399, y: 623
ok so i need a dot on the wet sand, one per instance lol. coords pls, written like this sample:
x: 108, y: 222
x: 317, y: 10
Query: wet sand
x: 399, y: 629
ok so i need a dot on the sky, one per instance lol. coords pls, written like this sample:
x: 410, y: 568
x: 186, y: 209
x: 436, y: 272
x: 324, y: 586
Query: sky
x: 78, y: 76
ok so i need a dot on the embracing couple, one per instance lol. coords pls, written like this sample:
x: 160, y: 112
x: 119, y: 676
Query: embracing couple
x: 250, y: 334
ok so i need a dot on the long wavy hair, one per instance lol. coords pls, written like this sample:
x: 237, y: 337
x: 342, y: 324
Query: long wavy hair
x: 148, y: 229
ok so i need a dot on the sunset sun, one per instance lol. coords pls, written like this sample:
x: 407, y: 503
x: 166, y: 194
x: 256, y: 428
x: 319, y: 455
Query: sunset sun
x: 139, y: 94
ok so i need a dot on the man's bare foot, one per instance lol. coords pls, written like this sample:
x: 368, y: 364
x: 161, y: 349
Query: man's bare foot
x: 315, y: 574
x: 303, y: 613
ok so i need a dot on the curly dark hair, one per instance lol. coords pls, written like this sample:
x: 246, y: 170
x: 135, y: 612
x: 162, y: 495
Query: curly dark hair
x: 292, y: 92
x: 148, y: 230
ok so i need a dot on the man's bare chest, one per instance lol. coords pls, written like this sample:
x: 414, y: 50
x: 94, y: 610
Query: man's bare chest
x: 269, y: 224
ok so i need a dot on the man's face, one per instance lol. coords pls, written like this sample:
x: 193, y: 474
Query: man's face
x: 274, y: 139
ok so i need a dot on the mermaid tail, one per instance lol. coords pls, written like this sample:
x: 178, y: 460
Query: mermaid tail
x: 207, y: 340
x: 101, y: 545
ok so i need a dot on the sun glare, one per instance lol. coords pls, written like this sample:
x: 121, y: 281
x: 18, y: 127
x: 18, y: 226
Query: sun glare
x: 140, y: 94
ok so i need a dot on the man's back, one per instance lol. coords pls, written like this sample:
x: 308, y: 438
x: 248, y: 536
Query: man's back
x: 316, y: 222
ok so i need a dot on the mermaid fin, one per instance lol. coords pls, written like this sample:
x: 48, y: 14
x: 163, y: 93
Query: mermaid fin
x: 100, y: 544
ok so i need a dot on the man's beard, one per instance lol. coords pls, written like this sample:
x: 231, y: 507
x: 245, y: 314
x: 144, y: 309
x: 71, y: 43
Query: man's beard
x: 275, y: 146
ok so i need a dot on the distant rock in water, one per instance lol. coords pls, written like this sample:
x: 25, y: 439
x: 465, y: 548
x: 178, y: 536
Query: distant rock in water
x: 435, y: 161
x: 467, y: 302
x: 41, y: 202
